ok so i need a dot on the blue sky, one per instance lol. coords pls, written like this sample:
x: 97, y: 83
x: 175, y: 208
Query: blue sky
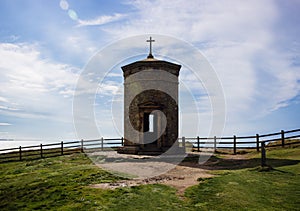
x: 253, y: 46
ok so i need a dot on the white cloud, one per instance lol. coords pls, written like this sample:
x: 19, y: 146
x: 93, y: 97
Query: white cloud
x: 240, y: 40
x: 2, y: 99
x: 233, y: 39
x: 104, y: 19
x: 109, y: 88
x: 4, y: 124
x: 8, y: 108
x: 34, y: 87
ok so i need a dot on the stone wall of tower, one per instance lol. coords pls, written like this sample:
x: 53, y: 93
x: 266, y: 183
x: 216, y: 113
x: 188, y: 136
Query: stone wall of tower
x: 159, y: 100
x: 150, y: 85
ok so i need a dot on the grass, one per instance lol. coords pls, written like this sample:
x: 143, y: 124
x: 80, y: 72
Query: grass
x: 146, y: 197
x: 244, y: 189
x: 35, y: 153
x: 62, y: 183
x: 252, y: 188
x: 50, y: 183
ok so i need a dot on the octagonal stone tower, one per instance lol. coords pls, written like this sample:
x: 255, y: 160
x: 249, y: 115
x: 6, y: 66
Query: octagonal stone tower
x: 150, y: 106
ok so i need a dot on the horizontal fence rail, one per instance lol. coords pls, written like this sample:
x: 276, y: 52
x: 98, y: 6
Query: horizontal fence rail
x: 57, y: 149
x: 257, y: 142
x: 234, y: 142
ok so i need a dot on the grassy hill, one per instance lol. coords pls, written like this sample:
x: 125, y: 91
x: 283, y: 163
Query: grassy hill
x: 62, y: 183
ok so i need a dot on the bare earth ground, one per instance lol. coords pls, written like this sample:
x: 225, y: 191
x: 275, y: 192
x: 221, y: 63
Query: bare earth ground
x: 179, y: 176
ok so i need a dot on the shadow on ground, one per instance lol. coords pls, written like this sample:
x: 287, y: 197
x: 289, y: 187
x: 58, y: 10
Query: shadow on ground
x: 219, y: 163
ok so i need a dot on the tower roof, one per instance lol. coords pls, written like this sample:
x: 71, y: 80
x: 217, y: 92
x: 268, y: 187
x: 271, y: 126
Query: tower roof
x: 150, y: 63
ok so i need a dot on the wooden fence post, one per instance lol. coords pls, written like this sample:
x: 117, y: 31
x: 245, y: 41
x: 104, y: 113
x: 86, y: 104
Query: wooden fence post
x: 41, y: 150
x: 122, y: 141
x: 263, y: 154
x: 102, y: 143
x: 183, y: 141
x: 62, y: 148
x: 215, y: 143
x: 198, y: 143
x: 234, y: 144
x: 282, y: 138
x: 20, y: 153
x: 81, y: 145
x: 257, y: 142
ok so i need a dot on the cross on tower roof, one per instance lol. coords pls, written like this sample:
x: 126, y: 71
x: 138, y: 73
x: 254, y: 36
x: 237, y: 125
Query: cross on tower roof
x: 150, y: 56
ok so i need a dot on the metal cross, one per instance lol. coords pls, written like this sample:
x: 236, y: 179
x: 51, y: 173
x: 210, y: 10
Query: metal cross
x: 150, y: 41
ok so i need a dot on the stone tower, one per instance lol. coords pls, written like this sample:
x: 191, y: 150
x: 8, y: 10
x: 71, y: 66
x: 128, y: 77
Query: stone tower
x: 150, y: 106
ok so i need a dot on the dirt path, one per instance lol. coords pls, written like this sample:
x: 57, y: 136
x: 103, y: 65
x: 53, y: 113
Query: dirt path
x: 185, y: 177
x: 180, y: 176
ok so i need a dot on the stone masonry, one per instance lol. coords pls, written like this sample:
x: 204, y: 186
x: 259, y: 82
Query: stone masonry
x: 150, y: 106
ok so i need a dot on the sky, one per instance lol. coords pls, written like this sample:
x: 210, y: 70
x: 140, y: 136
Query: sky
x: 253, y: 48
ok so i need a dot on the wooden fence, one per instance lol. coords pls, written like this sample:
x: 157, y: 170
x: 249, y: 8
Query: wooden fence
x: 234, y: 142
x: 258, y: 142
x: 57, y: 149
